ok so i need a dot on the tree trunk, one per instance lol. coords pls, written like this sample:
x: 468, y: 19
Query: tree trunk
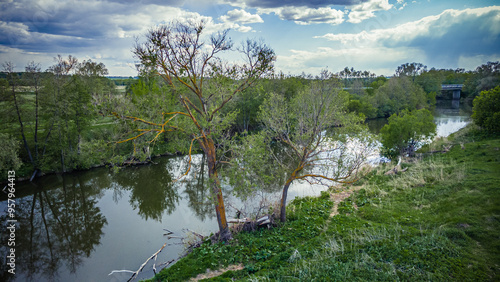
x: 209, y: 150
x: 411, y: 149
x: 36, y: 124
x: 283, y: 200
x: 22, y: 127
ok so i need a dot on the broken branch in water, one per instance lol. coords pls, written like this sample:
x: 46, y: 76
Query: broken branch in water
x: 120, y: 271
x: 136, y: 273
x: 173, y: 237
x: 196, y: 234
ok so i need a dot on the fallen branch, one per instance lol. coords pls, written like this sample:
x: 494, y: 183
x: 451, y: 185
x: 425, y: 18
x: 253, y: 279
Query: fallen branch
x: 136, y: 273
x: 196, y: 234
x: 173, y: 237
x: 168, y: 232
x: 395, y: 170
x: 120, y: 271
x: 242, y: 220
x: 163, y: 265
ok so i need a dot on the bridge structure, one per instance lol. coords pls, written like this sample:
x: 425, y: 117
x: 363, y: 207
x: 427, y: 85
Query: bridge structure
x: 456, y: 88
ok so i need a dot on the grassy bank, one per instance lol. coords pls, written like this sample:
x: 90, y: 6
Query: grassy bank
x: 439, y: 220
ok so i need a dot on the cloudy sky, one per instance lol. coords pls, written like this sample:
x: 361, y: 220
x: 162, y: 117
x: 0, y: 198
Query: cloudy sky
x: 307, y: 36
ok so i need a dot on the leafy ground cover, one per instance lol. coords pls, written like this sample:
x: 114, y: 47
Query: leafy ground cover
x: 439, y: 220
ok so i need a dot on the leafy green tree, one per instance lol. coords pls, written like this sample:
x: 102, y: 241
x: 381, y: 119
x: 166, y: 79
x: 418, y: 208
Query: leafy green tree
x: 16, y: 102
x: 192, y: 65
x: 485, y: 77
x: 486, y: 110
x: 306, y: 150
x: 430, y: 80
x: 410, y: 70
x: 397, y: 94
x: 57, y: 100
x: 405, y: 130
x: 33, y: 78
x: 374, y: 85
x: 9, y: 154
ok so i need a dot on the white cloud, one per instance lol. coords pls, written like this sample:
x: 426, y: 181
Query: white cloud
x: 454, y: 38
x: 317, y: 11
x: 366, y: 10
x: 406, y: 32
x: 380, y: 60
x: 244, y: 28
x: 306, y: 16
x: 471, y: 62
x: 105, y: 29
x: 241, y: 16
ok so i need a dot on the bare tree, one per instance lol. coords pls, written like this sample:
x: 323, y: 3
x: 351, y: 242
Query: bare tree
x: 191, y: 64
x: 318, y: 134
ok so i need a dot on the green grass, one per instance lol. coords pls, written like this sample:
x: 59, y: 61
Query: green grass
x: 438, y: 221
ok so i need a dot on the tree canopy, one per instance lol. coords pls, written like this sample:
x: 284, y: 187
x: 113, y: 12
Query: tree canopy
x: 191, y: 63
x: 405, y: 130
x: 315, y: 136
x: 486, y: 110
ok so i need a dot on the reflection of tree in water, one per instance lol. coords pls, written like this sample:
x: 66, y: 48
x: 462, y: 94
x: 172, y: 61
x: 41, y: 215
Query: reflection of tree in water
x: 152, y: 191
x: 55, y: 226
x: 197, y: 188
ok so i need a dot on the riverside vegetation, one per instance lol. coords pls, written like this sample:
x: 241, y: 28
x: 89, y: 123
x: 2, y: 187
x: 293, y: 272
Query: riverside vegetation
x: 437, y: 221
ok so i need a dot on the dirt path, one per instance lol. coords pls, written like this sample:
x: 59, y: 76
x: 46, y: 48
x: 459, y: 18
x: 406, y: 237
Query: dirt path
x: 338, y: 197
x: 215, y: 273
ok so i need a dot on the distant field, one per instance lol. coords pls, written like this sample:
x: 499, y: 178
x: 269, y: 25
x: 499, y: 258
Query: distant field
x: 121, y: 88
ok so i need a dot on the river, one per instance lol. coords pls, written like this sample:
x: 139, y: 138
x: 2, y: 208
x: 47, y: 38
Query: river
x: 81, y: 226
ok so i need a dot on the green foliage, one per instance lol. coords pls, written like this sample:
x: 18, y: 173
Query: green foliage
x: 362, y: 106
x: 9, y: 154
x: 410, y: 70
x: 406, y: 227
x: 405, y: 130
x: 486, y: 110
x: 485, y: 77
x: 253, y: 167
x: 430, y: 81
x: 431, y: 98
x: 398, y: 94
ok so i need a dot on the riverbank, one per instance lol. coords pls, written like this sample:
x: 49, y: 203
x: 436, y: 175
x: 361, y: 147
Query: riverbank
x: 439, y: 220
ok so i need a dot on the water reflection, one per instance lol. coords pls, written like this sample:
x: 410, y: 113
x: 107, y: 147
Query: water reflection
x: 197, y: 189
x: 450, y: 116
x: 62, y: 219
x: 151, y: 191
x: 56, y: 228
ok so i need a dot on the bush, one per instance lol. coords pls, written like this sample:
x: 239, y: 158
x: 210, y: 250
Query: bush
x: 9, y: 154
x: 405, y: 130
x: 486, y: 110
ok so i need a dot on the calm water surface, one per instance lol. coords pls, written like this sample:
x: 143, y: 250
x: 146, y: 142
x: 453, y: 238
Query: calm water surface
x: 81, y: 226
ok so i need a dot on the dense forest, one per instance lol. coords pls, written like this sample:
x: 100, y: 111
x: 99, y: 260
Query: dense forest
x: 71, y: 116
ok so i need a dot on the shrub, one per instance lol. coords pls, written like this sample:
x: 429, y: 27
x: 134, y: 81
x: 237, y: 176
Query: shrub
x: 486, y: 110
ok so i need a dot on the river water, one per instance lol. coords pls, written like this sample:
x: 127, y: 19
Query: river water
x: 81, y: 226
